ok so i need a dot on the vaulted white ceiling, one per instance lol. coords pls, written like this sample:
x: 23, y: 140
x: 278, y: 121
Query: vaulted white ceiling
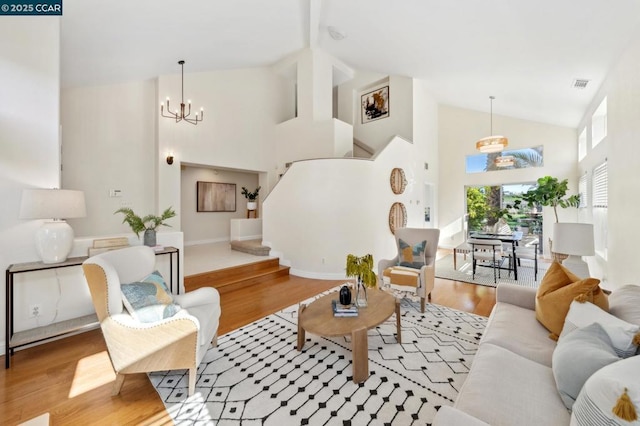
x: 525, y: 53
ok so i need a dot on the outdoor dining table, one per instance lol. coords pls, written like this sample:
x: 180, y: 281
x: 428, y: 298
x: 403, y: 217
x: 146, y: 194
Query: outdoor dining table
x: 513, y: 238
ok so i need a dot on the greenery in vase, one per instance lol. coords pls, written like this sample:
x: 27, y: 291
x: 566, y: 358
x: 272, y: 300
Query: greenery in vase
x: 549, y: 192
x: 149, y: 222
x: 251, y: 196
x: 362, y: 268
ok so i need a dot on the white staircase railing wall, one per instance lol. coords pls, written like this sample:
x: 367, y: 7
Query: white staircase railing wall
x: 323, y: 209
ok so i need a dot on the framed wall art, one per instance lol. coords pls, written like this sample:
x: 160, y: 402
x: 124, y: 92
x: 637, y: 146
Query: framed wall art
x: 216, y: 197
x: 375, y: 104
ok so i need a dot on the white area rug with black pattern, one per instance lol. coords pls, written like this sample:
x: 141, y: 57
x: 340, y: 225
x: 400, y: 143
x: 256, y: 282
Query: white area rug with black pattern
x: 484, y: 275
x: 256, y: 376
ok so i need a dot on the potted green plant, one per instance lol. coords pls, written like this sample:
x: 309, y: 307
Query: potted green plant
x: 549, y: 192
x: 362, y: 269
x: 251, y: 196
x: 147, y: 224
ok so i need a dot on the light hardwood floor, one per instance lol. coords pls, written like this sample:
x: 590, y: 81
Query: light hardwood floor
x: 72, y: 378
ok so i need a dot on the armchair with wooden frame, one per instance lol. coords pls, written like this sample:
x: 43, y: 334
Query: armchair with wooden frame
x: 177, y: 342
x: 421, y: 275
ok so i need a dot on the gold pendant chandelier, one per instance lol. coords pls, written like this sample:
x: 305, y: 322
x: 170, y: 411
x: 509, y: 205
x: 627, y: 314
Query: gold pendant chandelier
x: 493, y: 143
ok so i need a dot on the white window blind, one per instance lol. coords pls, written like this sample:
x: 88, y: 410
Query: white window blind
x: 582, y: 190
x: 600, y: 186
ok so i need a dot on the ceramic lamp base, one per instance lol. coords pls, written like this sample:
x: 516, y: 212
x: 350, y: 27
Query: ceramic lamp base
x: 577, y: 266
x: 54, y: 240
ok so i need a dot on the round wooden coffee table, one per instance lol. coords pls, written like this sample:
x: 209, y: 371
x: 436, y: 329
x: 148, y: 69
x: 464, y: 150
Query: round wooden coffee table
x: 317, y: 318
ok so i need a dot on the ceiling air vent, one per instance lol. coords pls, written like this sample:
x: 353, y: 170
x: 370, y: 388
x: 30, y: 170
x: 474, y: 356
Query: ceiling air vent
x: 580, y: 83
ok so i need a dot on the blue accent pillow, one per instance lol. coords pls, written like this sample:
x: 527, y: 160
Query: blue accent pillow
x: 149, y: 299
x: 411, y: 256
x: 577, y: 356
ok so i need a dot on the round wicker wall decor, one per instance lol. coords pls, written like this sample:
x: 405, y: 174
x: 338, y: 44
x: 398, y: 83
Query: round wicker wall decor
x: 398, y: 181
x: 397, y: 217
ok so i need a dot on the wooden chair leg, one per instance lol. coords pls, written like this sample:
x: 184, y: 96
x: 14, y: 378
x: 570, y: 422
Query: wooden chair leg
x: 192, y: 381
x: 422, y: 303
x: 214, y: 341
x: 117, y: 385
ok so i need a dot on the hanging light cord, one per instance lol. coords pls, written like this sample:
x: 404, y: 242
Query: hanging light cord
x: 491, y: 119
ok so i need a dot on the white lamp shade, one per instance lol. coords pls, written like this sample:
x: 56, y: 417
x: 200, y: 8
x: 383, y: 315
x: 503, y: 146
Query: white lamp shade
x: 54, y: 239
x: 52, y: 204
x: 573, y: 239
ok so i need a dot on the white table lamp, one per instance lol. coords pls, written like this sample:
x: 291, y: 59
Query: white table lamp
x: 54, y: 239
x: 575, y: 240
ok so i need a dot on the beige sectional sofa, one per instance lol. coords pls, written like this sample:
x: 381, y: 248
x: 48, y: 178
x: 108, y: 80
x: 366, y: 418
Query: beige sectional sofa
x: 511, y: 381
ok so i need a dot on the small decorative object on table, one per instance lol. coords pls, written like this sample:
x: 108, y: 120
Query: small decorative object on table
x: 149, y: 224
x: 345, y: 295
x: 362, y: 269
x: 340, y: 310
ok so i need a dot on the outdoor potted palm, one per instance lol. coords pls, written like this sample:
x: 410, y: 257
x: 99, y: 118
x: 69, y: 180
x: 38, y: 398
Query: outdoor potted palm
x: 147, y: 224
x: 362, y: 269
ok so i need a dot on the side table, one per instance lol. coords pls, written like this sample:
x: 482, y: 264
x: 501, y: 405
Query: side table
x: 62, y: 328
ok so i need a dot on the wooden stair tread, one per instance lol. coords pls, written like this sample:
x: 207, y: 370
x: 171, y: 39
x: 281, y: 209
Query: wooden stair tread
x: 235, y: 277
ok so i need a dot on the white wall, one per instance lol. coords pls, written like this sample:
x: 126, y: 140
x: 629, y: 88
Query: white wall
x: 425, y: 136
x: 378, y: 133
x: 459, y: 129
x: 242, y: 108
x: 108, y: 135
x: 621, y: 151
x: 207, y: 227
x: 323, y: 210
x: 29, y: 129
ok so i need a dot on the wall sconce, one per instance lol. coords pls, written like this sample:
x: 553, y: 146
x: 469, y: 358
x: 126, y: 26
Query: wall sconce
x: 170, y: 158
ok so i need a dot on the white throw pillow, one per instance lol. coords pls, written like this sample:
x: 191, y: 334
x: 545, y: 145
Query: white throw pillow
x: 624, y: 302
x: 620, y: 332
x: 610, y: 390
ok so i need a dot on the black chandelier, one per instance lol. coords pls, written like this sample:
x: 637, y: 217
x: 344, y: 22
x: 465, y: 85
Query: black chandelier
x: 184, y: 112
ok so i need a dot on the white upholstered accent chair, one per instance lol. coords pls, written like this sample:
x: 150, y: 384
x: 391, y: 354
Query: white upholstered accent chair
x: 177, y: 342
x: 423, y: 275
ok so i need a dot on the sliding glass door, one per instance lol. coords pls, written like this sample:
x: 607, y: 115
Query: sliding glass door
x: 485, y: 205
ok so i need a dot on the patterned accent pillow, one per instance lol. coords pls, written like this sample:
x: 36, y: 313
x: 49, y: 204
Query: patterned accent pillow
x: 149, y: 299
x: 579, y: 355
x: 411, y: 256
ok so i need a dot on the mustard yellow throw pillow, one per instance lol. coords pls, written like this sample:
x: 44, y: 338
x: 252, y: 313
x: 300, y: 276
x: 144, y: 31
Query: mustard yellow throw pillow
x: 559, y: 287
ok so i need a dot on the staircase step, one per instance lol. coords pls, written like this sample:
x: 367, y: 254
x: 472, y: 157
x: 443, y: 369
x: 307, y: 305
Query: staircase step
x: 236, y: 277
x: 253, y: 247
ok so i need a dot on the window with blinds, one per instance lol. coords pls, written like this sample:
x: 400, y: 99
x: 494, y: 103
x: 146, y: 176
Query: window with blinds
x: 582, y: 144
x: 582, y: 191
x: 600, y: 186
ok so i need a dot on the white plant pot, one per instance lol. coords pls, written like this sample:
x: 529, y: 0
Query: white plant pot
x: 252, y: 205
